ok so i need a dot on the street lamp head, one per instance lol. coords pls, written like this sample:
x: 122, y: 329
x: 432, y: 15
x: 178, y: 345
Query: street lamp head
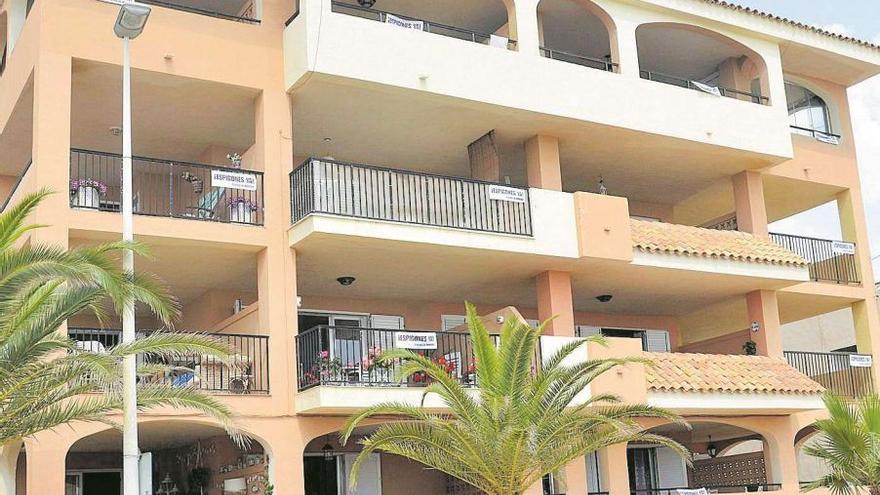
x: 131, y: 21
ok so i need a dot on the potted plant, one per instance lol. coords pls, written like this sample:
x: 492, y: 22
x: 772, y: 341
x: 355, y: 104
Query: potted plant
x: 379, y: 370
x: 241, y: 209
x: 86, y: 193
x: 750, y: 348
x: 331, y: 368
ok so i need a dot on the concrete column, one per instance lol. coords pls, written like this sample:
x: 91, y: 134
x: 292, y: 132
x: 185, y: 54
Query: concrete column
x: 751, y: 212
x: 763, y: 308
x: 866, y: 321
x: 780, y: 456
x: 555, y: 300
x: 526, y: 22
x: 626, y: 53
x: 8, y: 466
x: 276, y: 265
x: 576, y: 477
x: 614, y: 470
x: 542, y: 163
x: 535, y: 490
x: 46, y: 466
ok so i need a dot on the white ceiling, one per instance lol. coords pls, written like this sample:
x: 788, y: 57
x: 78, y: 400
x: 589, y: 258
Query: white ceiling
x: 681, y: 52
x: 228, y: 7
x: 174, y: 117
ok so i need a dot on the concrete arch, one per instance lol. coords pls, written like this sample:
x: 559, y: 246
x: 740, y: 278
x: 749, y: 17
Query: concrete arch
x: 574, y: 27
x: 809, y: 468
x: 736, y: 64
x: 178, y: 445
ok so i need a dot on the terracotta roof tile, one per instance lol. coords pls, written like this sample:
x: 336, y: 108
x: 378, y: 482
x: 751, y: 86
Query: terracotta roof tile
x: 679, y: 372
x: 801, y: 25
x: 661, y: 237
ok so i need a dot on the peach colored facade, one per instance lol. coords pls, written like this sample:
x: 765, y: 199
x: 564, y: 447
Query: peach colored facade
x: 537, y: 158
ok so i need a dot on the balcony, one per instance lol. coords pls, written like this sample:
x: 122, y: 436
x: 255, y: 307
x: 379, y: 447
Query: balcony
x: 165, y: 188
x: 697, y: 86
x: 846, y: 374
x: 373, y: 193
x: 578, y: 59
x: 829, y: 261
x: 231, y: 10
x: 248, y: 373
x: 422, y: 25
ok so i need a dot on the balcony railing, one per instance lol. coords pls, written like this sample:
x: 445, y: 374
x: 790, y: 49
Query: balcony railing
x: 765, y: 487
x: 239, y: 11
x: 351, y: 190
x: 15, y: 186
x: 167, y: 188
x: 843, y: 373
x: 690, y: 84
x: 346, y: 356
x: 830, y: 261
x: 247, y: 373
x: 825, y: 137
x: 573, y: 58
x: 340, y: 356
x: 413, y: 23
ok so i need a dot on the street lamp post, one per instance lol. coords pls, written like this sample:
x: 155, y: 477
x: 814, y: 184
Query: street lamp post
x: 129, y: 25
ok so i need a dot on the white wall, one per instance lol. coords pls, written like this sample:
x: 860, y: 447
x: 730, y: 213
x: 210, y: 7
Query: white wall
x: 823, y: 333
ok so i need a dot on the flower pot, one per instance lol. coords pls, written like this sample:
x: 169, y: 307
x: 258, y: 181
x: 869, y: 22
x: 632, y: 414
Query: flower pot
x: 240, y: 213
x: 87, y: 197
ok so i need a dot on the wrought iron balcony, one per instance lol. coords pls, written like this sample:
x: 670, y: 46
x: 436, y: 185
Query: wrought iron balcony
x: 830, y: 261
x: 846, y: 374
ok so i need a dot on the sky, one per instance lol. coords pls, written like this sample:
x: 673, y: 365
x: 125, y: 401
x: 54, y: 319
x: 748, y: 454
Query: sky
x: 861, y: 19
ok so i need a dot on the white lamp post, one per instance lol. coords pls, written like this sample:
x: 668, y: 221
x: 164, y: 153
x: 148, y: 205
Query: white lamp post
x: 129, y: 25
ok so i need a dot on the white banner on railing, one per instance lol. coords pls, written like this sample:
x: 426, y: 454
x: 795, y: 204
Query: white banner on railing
x: 712, y: 90
x: 860, y: 361
x: 842, y: 247
x: 415, y: 340
x: 404, y: 23
x: 827, y: 138
x: 510, y: 194
x: 233, y: 180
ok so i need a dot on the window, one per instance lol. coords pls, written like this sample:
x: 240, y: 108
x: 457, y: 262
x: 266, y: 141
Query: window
x: 806, y: 111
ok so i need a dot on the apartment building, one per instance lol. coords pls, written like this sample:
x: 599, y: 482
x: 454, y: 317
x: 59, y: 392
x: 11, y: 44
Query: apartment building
x: 323, y: 179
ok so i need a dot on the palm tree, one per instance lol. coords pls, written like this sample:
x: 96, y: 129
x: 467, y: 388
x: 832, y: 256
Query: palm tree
x: 45, y: 380
x: 521, y: 426
x: 849, y: 443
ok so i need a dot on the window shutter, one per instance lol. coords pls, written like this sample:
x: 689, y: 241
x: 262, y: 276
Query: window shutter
x: 656, y: 341
x: 448, y: 322
x: 386, y: 322
x: 587, y: 331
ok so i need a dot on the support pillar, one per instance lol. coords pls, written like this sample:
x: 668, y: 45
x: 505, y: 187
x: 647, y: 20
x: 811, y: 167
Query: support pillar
x: 576, y: 476
x: 46, y: 466
x: 525, y: 19
x: 780, y: 456
x: 8, y: 468
x: 555, y: 300
x: 763, y: 309
x: 751, y: 212
x: 626, y: 51
x: 614, y: 470
x: 276, y: 263
x: 542, y: 163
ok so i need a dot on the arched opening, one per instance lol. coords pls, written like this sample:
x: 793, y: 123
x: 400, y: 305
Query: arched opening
x: 327, y: 471
x: 489, y: 22
x: 189, y: 456
x: 714, y: 63
x: 4, y: 34
x: 578, y: 32
x: 725, y: 459
x: 809, y: 468
x: 808, y: 113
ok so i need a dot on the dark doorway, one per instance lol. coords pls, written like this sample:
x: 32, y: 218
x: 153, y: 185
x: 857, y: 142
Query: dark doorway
x: 642, y: 473
x: 102, y: 483
x: 320, y: 475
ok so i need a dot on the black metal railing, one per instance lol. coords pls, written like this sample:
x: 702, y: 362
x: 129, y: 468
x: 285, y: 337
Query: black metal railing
x: 246, y: 373
x: 241, y: 11
x: 296, y: 10
x: 15, y: 186
x: 166, y: 188
x: 766, y: 487
x: 690, y: 84
x: 825, y: 137
x: 573, y: 58
x: 427, y: 26
x: 361, y: 191
x: 346, y: 356
x: 846, y: 374
x: 831, y: 261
